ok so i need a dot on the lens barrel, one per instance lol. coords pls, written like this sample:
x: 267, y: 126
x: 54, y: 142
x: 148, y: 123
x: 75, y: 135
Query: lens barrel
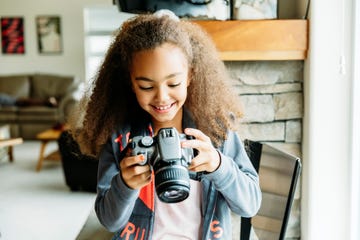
x: 172, y: 181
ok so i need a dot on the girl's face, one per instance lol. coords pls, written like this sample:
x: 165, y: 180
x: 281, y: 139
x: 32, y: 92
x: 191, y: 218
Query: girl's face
x: 160, y: 78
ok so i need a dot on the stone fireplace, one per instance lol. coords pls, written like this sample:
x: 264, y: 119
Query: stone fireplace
x: 272, y: 97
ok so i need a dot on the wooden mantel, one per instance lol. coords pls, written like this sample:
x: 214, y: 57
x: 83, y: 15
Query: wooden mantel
x: 259, y: 39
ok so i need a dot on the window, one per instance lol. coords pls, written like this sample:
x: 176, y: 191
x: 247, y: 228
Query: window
x: 100, y: 24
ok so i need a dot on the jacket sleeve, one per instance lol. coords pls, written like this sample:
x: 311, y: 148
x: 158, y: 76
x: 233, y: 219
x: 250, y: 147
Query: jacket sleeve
x: 236, y: 178
x: 115, y: 200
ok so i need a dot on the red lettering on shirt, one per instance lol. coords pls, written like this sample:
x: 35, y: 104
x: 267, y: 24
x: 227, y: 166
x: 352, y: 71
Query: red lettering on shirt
x: 130, y: 229
x: 216, y: 229
x: 142, y: 234
x: 119, y: 140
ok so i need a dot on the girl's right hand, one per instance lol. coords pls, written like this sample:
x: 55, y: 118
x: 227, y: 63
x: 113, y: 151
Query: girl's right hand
x: 134, y: 175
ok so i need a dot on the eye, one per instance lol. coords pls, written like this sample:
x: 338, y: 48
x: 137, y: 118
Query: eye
x: 174, y: 85
x: 145, y: 88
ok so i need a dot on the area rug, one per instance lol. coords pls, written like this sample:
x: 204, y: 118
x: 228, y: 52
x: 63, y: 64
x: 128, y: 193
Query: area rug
x: 39, y: 205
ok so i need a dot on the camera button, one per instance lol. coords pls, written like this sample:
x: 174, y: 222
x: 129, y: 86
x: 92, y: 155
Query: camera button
x: 147, y: 141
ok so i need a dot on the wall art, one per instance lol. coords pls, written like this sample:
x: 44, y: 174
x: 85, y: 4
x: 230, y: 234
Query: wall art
x: 255, y: 9
x: 12, y: 35
x: 49, y: 34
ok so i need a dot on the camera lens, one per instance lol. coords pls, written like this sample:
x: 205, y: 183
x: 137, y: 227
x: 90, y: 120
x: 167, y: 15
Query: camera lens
x: 172, y: 182
x: 176, y: 194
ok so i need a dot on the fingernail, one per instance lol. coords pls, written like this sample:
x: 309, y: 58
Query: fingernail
x: 142, y: 157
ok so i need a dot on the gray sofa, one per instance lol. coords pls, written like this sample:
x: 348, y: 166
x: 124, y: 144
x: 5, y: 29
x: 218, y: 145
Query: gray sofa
x: 27, y: 121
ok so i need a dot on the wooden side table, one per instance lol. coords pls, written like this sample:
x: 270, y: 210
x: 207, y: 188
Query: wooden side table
x: 7, y: 141
x: 10, y: 142
x: 45, y: 137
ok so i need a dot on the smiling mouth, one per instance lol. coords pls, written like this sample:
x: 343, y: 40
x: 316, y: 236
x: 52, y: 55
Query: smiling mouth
x: 163, y: 108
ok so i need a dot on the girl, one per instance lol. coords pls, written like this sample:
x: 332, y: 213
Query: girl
x: 162, y: 72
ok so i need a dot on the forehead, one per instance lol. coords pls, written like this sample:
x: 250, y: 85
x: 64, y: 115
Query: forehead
x: 162, y: 60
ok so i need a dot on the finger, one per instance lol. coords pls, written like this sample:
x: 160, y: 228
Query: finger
x: 140, y: 180
x: 197, y: 134
x: 197, y: 165
x: 132, y: 160
x: 141, y: 172
x: 208, y: 164
x: 135, y: 171
x: 139, y: 169
x: 195, y: 144
x: 188, y: 144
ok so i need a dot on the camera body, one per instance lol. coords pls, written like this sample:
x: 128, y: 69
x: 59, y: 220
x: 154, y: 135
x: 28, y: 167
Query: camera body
x: 169, y: 161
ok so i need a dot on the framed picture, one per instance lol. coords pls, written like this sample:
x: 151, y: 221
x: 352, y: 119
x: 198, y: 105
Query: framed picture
x: 49, y: 34
x: 255, y: 9
x: 12, y: 35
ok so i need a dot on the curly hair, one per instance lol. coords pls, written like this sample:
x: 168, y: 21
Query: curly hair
x: 211, y: 100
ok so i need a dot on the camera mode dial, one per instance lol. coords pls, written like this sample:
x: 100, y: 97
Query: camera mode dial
x: 146, y: 141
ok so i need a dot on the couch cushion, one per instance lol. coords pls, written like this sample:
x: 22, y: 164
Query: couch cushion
x: 44, y: 86
x: 16, y: 86
x: 38, y: 114
x: 8, y: 114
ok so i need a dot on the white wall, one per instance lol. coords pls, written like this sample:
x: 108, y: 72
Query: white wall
x: 71, y: 60
x: 326, y: 210
x: 355, y: 171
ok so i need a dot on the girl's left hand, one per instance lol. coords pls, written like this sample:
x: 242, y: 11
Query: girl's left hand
x: 208, y: 158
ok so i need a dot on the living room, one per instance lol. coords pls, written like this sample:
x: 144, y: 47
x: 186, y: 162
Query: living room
x: 330, y: 134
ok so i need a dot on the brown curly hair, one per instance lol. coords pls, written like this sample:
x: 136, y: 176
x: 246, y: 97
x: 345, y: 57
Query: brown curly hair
x: 112, y: 102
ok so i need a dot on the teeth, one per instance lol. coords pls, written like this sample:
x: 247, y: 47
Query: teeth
x: 163, y: 107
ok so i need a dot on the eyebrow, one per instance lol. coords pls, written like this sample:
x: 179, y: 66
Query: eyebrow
x: 140, y: 78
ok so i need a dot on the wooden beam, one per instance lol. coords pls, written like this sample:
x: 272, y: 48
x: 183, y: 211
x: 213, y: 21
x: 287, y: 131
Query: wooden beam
x: 259, y: 39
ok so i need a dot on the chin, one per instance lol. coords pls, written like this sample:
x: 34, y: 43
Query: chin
x: 163, y: 119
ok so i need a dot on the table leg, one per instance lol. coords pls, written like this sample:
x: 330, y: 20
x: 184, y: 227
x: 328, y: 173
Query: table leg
x: 41, y: 155
x: 10, y: 154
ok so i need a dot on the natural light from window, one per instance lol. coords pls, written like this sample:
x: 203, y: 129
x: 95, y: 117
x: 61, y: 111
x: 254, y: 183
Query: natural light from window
x: 100, y: 24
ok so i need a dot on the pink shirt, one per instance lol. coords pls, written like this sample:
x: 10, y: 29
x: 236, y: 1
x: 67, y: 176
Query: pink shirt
x: 179, y: 221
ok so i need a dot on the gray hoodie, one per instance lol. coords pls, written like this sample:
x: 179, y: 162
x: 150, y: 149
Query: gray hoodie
x: 234, y: 186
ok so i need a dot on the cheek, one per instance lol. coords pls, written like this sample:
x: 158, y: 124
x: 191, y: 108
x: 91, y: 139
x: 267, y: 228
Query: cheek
x: 185, y: 90
x: 142, y: 97
x: 139, y: 97
x: 181, y: 95
x: 184, y: 93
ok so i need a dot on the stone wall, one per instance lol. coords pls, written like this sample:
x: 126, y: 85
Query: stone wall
x: 271, y: 93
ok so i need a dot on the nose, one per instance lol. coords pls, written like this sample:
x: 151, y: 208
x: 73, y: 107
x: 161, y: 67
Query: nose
x: 162, y: 94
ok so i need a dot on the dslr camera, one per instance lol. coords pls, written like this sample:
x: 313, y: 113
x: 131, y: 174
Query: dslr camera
x: 169, y: 161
